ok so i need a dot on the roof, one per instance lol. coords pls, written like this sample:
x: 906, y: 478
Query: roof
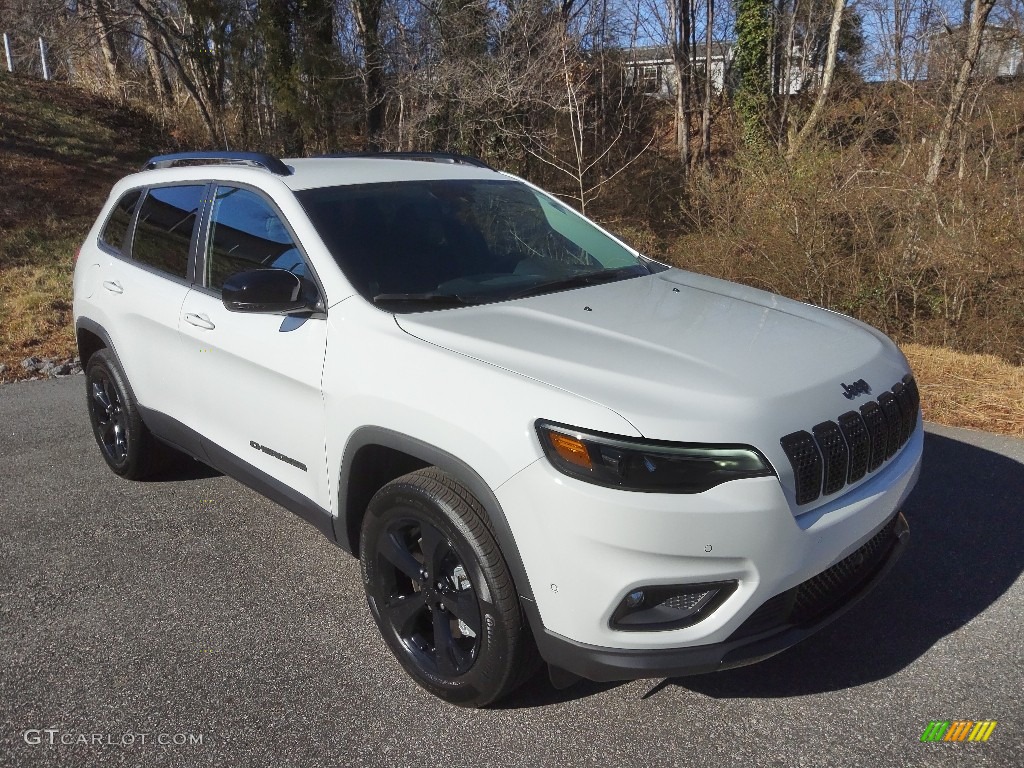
x: 308, y: 173
x: 662, y: 53
x: 311, y: 172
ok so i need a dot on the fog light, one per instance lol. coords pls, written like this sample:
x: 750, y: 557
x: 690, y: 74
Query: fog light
x: 635, y: 599
x: 669, y: 607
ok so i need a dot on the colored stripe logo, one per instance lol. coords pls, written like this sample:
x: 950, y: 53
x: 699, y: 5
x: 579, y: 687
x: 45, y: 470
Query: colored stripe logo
x: 958, y: 730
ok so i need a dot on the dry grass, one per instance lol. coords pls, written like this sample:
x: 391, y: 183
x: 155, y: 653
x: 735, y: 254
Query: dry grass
x: 62, y: 149
x: 974, y: 391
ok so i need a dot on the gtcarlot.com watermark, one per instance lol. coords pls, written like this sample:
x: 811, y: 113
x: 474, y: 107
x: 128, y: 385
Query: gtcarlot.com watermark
x: 53, y: 737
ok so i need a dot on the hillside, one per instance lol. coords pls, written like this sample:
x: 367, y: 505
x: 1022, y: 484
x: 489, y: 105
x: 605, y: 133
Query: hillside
x: 61, y: 149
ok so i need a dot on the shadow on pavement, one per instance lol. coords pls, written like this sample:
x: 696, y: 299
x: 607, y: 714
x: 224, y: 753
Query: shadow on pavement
x: 182, y: 468
x: 538, y: 692
x: 966, y: 550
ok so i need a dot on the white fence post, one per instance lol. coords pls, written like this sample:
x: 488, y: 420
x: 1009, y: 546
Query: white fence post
x: 42, y: 58
x: 7, y: 52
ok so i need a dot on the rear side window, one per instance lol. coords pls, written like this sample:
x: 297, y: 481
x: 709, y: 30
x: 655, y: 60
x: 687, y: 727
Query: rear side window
x: 163, y: 233
x: 120, y: 219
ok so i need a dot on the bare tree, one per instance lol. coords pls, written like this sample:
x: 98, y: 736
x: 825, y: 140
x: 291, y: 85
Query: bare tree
x: 903, y: 29
x: 978, y: 11
x: 826, y: 80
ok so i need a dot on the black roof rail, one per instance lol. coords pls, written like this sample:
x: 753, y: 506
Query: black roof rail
x: 214, y: 157
x: 430, y: 157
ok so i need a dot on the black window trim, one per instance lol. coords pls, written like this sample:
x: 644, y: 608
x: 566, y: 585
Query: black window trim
x: 199, y: 262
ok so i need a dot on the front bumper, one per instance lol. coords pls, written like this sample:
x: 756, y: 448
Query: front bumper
x: 585, y: 547
x: 780, y: 623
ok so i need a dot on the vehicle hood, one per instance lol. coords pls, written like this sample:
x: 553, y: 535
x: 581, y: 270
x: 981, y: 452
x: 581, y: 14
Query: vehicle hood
x: 680, y: 356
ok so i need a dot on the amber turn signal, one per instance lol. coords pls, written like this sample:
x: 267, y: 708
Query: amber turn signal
x: 570, y: 449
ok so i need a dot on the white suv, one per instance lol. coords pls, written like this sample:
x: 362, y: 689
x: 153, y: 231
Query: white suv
x: 534, y: 438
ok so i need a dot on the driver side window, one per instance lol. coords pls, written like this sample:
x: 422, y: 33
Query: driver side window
x: 246, y: 233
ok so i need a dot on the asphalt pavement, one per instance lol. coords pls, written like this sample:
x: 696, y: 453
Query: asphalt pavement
x: 188, y: 621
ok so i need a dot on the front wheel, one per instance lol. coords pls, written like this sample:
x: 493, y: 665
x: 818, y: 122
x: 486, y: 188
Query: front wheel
x: 440, y: 591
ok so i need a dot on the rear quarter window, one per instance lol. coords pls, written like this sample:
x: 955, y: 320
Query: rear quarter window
x: 116, y: 229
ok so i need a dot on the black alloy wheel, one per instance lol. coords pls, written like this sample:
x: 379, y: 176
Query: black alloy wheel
x: 109, y: 418
x: 425, y: 596
x: 440, y: 591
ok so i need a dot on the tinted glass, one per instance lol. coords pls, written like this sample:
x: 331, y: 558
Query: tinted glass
x: 120, y: 217
x: 246, y: 233
x: 478, y: 240
x: 164, y: 230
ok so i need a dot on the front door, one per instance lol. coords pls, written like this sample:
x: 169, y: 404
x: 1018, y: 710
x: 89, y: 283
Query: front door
x: 255, y: 379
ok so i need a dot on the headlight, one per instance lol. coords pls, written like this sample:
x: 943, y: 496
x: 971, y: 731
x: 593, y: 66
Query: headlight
x: 651, y: 466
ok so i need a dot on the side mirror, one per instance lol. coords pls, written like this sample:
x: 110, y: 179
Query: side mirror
x: 272, y: 291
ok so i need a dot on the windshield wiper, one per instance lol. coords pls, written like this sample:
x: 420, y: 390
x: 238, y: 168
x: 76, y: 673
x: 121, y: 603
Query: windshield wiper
x: 580, y: 280
x: 425, y: 298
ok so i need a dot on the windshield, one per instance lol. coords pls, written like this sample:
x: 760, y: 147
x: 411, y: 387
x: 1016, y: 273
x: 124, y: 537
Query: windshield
x: 416, y: 245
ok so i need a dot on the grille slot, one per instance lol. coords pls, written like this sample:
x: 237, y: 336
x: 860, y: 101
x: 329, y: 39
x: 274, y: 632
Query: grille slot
x: 915, y: 399
x: 906, y: 411
x: 892, y: 417
x: 859, y: 441
x: 838, y: 454
x: 835, y: 454
x: 874, y: 420
x: 806, y: 460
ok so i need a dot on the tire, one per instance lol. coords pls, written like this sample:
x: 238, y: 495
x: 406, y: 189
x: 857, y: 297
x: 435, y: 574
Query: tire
x: 440, y: 590
x: 124, y: 440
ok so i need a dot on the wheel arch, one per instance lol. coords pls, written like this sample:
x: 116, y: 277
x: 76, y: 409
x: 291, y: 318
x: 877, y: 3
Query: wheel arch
x: 91, y: 337
x: 376, y: 455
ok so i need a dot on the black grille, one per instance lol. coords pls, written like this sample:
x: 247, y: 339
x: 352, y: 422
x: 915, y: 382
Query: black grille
x: 806, y: 460
x: 838, y: 454
x: 822, y: 594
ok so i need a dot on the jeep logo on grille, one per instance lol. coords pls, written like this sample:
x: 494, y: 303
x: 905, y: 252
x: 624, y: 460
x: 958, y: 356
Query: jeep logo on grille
x: 859, y: 387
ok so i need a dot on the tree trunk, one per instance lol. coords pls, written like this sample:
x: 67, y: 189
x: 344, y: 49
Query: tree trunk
x: 826, y: 79
x: 785, y: 82
x: 161, y: 85
x: 679, y: 37
x: 367, y: 15
x: 754, y: 96
x: 705, y: 121
x: 979, y: 16
x: 104, y: 34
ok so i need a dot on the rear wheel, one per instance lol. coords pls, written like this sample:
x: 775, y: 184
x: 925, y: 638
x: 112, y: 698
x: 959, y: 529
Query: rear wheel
x: 124, y: 441
x: 441, y: 592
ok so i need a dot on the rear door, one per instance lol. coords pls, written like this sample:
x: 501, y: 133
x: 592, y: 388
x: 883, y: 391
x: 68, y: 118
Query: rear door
x: 255, y: 379
x: 143, y: 288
